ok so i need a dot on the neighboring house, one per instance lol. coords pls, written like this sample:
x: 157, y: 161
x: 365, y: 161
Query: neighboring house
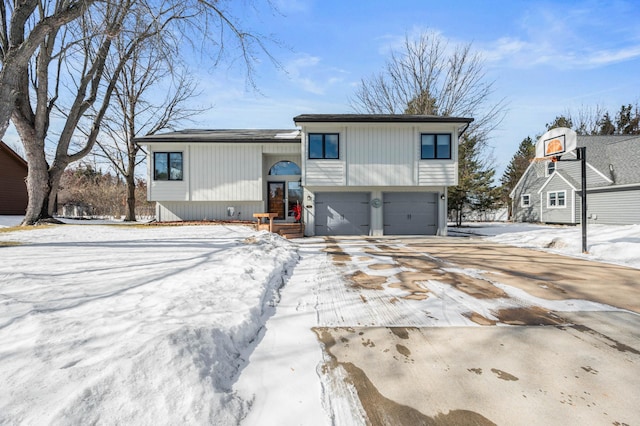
x: 13, y: 188
x: 351, y: 174
x: 550, y: 192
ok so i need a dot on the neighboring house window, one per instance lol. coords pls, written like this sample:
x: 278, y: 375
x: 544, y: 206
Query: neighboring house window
x: 435, y: 146
x: 551, y: 167
x: 323, y: 146
x: 556, y: 199
x: 167, y: 166
x: 525, y: 200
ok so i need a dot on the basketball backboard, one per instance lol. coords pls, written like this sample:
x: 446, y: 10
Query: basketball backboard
x: 556, y: 142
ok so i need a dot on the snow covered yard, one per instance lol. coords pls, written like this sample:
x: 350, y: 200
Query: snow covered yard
x: 121, y: 324
x: 606, y: 243
x: 178, y: 325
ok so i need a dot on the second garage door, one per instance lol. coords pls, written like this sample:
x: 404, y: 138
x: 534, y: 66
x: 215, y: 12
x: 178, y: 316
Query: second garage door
x: 410, y: 213
x: 342, y: 213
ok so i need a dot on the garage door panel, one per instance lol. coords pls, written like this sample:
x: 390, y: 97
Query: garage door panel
x: 410, y: 213
x: 341, y: 213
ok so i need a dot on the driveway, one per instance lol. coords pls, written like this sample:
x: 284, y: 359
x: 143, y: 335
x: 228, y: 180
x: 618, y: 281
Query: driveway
x: 460, y: 331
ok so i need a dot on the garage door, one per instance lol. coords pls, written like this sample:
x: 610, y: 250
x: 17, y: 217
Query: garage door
x: 410, y: 213
x: 342, y: 213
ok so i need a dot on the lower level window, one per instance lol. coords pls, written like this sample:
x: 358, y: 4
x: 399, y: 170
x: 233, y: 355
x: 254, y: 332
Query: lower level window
x: 167, y: 166
x: 525, y: 201
x: 556, y: 199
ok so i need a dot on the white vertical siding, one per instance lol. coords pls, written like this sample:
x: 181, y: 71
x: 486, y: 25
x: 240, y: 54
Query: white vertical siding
x: 226, y: 172
x: 282, y: 148
x: 381, y: 156
x: 170, y: 211
x: 174, y: 190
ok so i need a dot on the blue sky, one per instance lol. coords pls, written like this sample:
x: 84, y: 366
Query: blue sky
x: 546, y: 57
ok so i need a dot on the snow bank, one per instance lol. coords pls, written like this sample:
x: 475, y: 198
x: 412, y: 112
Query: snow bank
x: 606, y: 243
x: 117, y: 324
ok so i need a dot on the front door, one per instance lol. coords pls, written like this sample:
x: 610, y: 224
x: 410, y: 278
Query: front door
x: 275, y: 202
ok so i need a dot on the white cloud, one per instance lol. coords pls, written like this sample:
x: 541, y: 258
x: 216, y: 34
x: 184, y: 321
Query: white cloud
x: 310, y: 74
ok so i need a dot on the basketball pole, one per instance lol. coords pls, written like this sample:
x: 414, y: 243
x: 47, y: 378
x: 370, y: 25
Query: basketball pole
x: 582, y: 155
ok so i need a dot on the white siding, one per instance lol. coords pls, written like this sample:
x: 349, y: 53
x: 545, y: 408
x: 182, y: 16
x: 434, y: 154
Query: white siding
x: 226, y: 172
x: 380, y: 156
x: 438, y: 172
x: 176, y: 190
x: 180, y: 211
x: 282, y: 148
x: 324, y: 173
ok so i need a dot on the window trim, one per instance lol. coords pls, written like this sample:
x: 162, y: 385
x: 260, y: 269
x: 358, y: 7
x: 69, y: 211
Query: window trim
x: 168, y: 158
x: 324, y: 144
x: 435, y: 147
x: 546, y: 169
x: 528, y: 203
x: 557, y: 205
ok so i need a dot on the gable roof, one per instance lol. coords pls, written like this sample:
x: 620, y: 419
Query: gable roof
x: 224, y: 136
x: 616, y: 157
x: 13, y: 155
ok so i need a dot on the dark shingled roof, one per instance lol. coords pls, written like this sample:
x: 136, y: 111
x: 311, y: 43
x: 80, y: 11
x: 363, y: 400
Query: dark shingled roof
x: 377, y: 118
x: 225, y: 136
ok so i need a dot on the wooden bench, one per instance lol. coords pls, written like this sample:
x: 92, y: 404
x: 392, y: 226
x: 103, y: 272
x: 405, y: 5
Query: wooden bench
x: 269, y: 216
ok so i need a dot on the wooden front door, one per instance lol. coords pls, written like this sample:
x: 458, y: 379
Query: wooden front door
x: 275, y: 202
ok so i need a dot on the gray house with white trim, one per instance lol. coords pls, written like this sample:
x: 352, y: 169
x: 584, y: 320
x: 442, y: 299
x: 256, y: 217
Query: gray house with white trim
x: 350, y: 174
x: 549, y: 192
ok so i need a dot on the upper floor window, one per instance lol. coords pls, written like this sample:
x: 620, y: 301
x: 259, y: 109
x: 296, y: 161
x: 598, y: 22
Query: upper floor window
x: 324, y: 146
x: 435, y: 146
x: 556, y: 199
x: 167, y: 166
x: 551, y: 167
x: 525, y: 200
x: 284, y: 168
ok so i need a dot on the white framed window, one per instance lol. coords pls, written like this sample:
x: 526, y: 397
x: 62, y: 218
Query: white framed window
x: 557, y: 199
x: 551, y: 167
x: 167, y: 166
x: 525, y: 200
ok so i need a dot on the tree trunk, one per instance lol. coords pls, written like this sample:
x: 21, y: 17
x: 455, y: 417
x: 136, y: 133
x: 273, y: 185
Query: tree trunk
x: 130, y: 215
x: 8, y: 83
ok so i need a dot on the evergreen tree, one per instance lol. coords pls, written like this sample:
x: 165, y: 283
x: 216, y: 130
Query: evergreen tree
x: 475, y: 188
x: 606, y: 126
x: 516, y: 168
x: 560, y: 121
x: 628, y: 121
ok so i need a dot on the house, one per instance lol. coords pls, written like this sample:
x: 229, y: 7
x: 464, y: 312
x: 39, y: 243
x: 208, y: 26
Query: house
x: 13, y: 189
x: 550, y: 192
x: 349, y: 174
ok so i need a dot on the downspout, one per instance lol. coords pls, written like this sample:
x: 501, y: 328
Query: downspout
x: 464, y: 130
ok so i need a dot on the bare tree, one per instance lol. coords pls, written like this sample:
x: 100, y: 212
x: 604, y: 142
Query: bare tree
x: 137, y: 110
x: 427, y: 76
x: 23, y: 27
x: 70, y: 75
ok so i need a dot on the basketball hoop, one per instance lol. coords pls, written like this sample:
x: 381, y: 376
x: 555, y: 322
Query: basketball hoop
x: 555, y: 158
